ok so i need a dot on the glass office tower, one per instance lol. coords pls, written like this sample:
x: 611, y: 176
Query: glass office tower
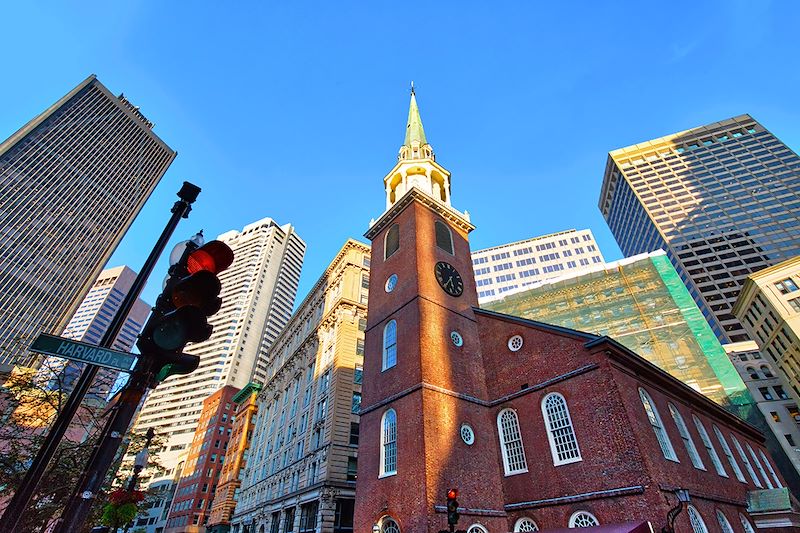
x: 722, y: 200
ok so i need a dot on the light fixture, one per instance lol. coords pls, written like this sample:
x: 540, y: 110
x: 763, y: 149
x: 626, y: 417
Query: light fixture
x: 683, y: 495
x: 376, y: 528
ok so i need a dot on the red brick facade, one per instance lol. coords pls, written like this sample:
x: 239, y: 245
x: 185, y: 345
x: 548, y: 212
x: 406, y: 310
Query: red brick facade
x: 437, y: 386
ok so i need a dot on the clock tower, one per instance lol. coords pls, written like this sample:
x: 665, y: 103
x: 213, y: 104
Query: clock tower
x: 425, y: 426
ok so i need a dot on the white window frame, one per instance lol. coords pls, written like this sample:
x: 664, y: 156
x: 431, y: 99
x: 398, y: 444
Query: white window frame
x: 504, y: 441
x: 747, y: 465
x: 525, y: 520
x: 385, y: 433
x: 385, y: 359
x: 384, y: 523
x: 758, y: 465
x: 577, y: 514
x: 476, y: 528
x: 729, y: 454
x: 568, y: 433
x: 688, y: 442
x: 696, y: 520
x: 658, y: 426
x: 724, y: 524
x: 771, y: 470
x: 748, y: 527
x: 709, y: 446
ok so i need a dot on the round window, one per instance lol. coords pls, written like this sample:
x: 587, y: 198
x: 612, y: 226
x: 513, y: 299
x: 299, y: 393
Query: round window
x: 467, y: 435
x: 391, y: 282
x: 515, y: 343
x: 456, y: 338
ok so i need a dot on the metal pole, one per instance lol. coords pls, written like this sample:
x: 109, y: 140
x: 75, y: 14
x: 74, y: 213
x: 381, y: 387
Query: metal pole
x: 80, y: 503
x: 22, y: 496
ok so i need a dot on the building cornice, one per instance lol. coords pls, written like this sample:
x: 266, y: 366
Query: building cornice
x: 414, y: 194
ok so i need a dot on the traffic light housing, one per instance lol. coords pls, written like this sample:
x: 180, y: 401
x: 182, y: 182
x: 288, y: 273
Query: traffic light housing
x: 452, y: 507
x: 190, y: 296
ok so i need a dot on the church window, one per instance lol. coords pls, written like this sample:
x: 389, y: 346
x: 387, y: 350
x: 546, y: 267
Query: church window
x: 698, y: 526
x: 712, y: 452
x: 476, y: 528
x: 525, y: 524
x: 688, y: 442
x: 511, y: 443
x: 583, y: 519
x: 444, y: 238
x: 748, y: 527
x: 758, y: 465
x: 392, y: 242
x: 747, y: 464
x: 771, y: 470
x: 467, y: 434
x: 729, y: 455
x: 388, y: 525
x: 389, y: 443
x: 563, y: 444
x: 724, y: 525
x: 389, y: 345
x: 515, y: 343
x: 658, y: 426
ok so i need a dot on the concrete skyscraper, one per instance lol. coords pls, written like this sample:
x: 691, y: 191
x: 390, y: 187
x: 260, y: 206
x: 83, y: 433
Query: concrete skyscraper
x: 722, y: 200
x: 508, y: 268
x: 258, y: 293
x: 71, y: 182
x: 89, y: 324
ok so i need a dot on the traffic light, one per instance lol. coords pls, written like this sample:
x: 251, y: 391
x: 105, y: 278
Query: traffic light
x: 452, y: 507
x: 190, y: 295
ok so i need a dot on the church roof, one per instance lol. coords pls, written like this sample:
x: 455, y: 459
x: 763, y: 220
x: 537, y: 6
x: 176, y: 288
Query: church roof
x: 414, y: 129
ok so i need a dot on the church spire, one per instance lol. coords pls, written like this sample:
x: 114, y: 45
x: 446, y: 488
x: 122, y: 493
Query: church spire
x: 414, y: 130
x: 415, y: 145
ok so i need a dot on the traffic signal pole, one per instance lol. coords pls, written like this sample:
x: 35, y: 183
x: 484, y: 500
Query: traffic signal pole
x: 82, y: 498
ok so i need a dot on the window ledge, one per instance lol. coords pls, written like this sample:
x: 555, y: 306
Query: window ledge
x: 516, y: 472
x: 387, y: 474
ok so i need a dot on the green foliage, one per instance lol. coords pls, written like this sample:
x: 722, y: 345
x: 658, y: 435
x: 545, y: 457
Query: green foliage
x: 117, y: 516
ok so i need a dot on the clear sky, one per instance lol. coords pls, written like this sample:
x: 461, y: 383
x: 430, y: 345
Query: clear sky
x: 293, y: 110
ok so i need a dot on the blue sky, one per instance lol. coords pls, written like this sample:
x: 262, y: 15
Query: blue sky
x: 291, y: 109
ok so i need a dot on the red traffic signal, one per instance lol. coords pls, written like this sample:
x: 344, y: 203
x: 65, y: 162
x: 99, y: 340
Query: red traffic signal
x: 452, y: 507
x: 213, y: 257
x: 452, y: 494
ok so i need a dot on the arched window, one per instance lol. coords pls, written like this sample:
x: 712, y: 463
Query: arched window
x: 388, y: 443
x: 723, y: 523
x: 766, y: 372
x: 727, y: 450
x: 658, y: 426
x: 563, y: 444
x: 748, y: 527
x: 758, y: 465
x: 746, y: 462
x: 583, y: 519
x: 688, y: 442
x: 771, y: 470
x: 392, y: 242
x: 709, y: 447
x: 752, y: 372
x: 444, y: 239
x: 476, y: 528
x: 388, y: 525
x: 389, y: 345
x: 511, y: 443
x: 525, y: 524
x: 698, y: 526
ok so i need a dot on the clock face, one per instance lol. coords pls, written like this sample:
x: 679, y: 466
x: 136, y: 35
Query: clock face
x: 449, y: 278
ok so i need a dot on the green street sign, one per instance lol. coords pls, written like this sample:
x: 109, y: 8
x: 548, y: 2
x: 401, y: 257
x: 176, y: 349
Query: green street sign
x: 83, y: 351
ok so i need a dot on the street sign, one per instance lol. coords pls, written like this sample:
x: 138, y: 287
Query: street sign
x: 83, y: 351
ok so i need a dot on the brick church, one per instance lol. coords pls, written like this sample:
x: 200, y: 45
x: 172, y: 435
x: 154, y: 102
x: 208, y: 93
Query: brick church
x: 539, y: 427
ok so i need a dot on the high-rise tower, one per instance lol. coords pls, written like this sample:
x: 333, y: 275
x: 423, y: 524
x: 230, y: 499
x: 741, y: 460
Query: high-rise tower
x: 71, y: 182
x: 258, y: 292
x: 89, y: 324
x: 722, y: 200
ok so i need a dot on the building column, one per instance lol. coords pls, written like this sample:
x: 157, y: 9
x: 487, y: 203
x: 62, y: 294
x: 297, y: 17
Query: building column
x: 326, y: 513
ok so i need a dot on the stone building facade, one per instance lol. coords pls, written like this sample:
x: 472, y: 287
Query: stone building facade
x: 301, y: 470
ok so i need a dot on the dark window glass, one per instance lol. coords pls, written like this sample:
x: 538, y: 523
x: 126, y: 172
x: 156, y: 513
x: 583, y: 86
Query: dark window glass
x: 392, y: 241
x: 343, y: 520
x: 444, y: 239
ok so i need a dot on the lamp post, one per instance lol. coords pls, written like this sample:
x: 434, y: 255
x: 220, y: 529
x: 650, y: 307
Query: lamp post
x: 140, y: 462
x: 683, y: 498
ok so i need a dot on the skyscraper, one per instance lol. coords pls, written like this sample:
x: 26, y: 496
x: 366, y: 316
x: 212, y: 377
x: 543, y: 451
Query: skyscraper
x: 508, y: 268
x: 722, y: 200
x: 258, y: 292
x: 89, y: 324
x: 71, y: 182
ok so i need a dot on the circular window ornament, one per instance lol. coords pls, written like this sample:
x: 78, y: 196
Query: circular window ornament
x: 515, y: 343
x: 391, y: 283
x: 457, y: 339
x: 467, y: 434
